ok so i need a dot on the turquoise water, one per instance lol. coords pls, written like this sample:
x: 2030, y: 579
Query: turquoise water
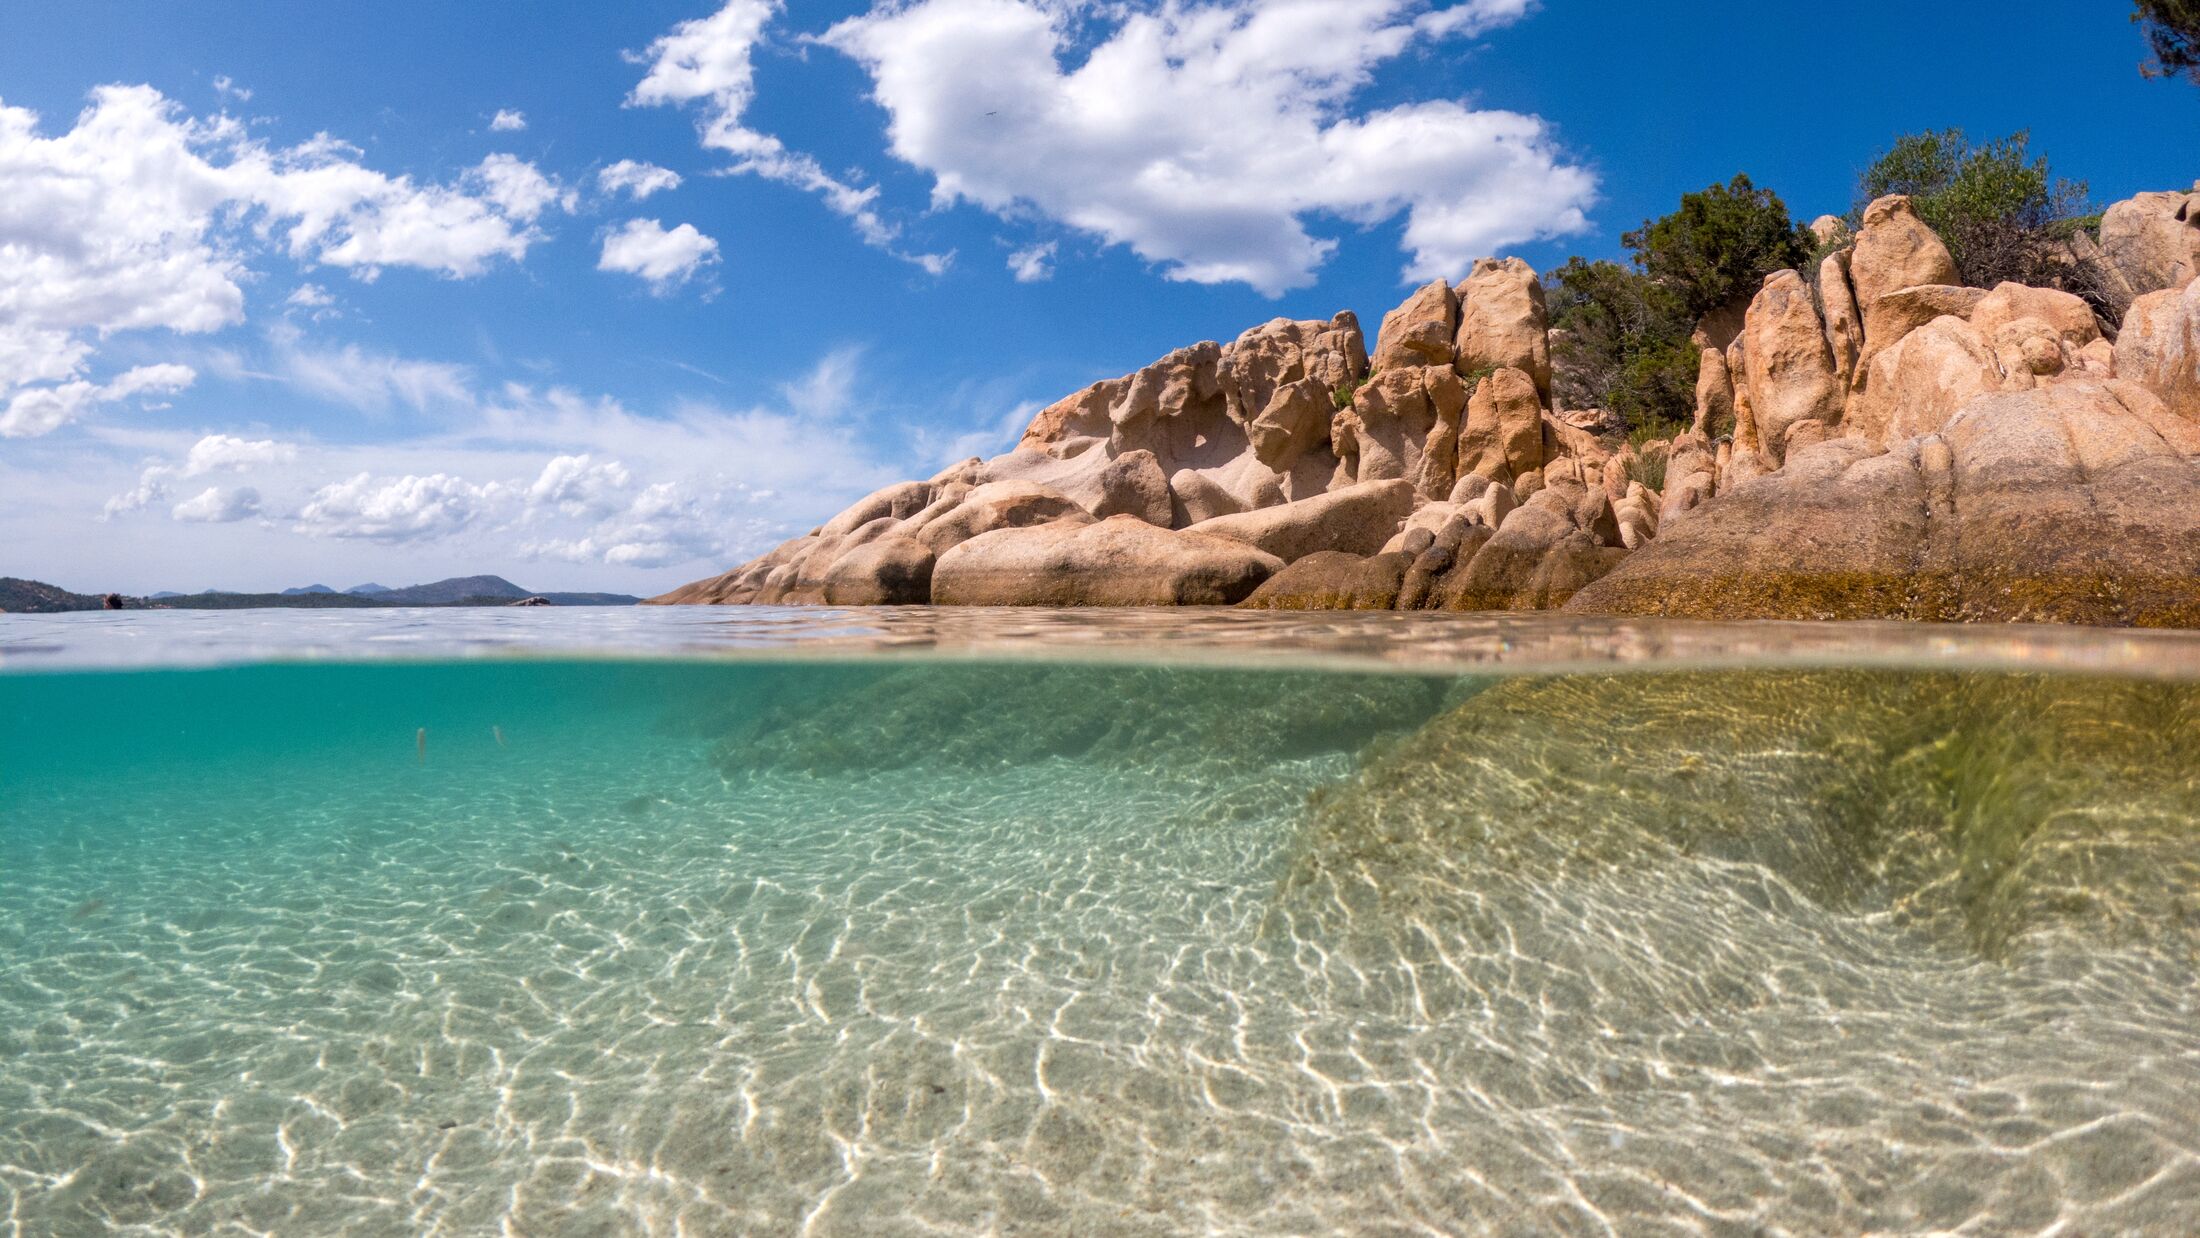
x: 1901, y: 935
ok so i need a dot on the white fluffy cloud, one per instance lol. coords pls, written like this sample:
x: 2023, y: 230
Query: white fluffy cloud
x: 217, y: 505
x: 636, y: 179
x: 140, y: 217
x: 395, y: 509
x: 707, y: 62
x: 665, y: 257
x: 1205, y: 136
x: 508, y: 120
x: 1033, y: 263
x: 215, y: 453
x: 40, y: 410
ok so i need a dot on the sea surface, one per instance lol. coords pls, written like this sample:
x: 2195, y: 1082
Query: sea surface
x: 698, y: 922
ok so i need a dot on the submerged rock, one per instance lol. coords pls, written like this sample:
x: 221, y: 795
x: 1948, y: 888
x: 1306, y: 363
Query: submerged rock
x: 1970, y: 804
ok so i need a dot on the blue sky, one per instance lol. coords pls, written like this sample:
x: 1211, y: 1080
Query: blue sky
x: 282, y: 299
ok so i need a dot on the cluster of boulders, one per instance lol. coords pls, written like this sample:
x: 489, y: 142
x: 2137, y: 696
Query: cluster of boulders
x: 1871, y: 438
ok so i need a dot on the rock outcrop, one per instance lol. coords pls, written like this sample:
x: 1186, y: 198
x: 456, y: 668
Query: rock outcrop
x: 1885, y: 443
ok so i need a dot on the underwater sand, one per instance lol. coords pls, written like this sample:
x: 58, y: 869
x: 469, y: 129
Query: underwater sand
x: 1793, y: 931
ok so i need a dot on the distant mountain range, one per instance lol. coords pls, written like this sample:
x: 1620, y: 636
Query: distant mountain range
x: 37, y: 597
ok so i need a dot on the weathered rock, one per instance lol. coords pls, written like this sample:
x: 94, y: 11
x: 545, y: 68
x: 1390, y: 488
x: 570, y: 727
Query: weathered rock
x: 1332, y: 580
x: 1385, y: 433
x: 1831, y: 230
x: 1454, y: 545
x: 2029, y: 351
x: 2067, y: 503
x: 1536, y: 561
x: 1788, y: 368
x: 1503, y: 436
x: 1904, y: 310
x: 1421, y: 331
x: 1120, y: 561
x: 890, y: 571
x: 2159, y: 348
x: 1133, y: 484
x: 2069, y: 315
x: 1502, y: 323
x: 1170, y: 401
x: 1295, y: 422
x: 1000, y: 505
x: 1356, y: 520
x: 1895, y: 250
x: 897, y: 501
x: 2153, y: 240
x: 1714, y: 392
x: 1691, y: 475
x: 1281, y: 352
x: 1637, y: 518
x: 1844, y: 321
x: 1917, y: 385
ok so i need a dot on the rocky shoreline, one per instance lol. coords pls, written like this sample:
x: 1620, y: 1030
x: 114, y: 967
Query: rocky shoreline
x: 1871, y: 440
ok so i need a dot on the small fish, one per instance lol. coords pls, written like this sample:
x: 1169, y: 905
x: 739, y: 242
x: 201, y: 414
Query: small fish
x: 420, y: 746
x: 499, y: 733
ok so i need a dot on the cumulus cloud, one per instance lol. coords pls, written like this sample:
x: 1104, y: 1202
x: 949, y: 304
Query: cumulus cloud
x: 707, y: 62
x: 1033, y: 263
x: 41, y: 410
x: 579, y: 485
x: 215, y: 453
x: 216, y: 505
x: 508, y: 120
x: 140, y: 217
x: 394, y: 509
x: 636, y: 179
x: 310, y: 296
x: 227, y: 88
x: 665, y: 257
x: 1207, y: 136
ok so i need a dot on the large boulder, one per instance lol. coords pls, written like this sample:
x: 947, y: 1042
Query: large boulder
x: 1092, y: 476
x: 1356, y: 520
x: 1503, y: 436
x: 2159, y: 347
x: 1891, y: 317
x: 1503, y: 324
x: 2077, y: 502
x: 2069, y: 315
x: 1787, y: 365
x: 2153, y: 240
x: 1332, y: 580
x: 1918, y: 384
x: 890, y: 571
x: 1000, y: 505
x: 898, y: 502
x: 1422, y: 331
x: 1294, y: 423
x: 1539, y: 559
x: 1895, y: 250
x: 1120, y: 561
x: 1172, y: 402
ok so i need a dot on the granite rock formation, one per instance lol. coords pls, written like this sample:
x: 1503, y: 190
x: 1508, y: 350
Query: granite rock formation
x: 1871, y: 439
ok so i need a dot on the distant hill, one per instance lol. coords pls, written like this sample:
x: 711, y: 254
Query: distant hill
x: 368, y: 589
x: 456, y: 589
x: 36, y: 597
x: 26, y: 597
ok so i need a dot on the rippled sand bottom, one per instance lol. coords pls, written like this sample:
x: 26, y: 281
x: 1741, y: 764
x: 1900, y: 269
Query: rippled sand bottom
x: 955, y: 949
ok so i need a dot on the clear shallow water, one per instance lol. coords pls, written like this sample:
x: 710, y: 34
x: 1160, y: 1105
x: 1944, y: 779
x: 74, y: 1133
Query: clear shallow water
x: 1892, y: 933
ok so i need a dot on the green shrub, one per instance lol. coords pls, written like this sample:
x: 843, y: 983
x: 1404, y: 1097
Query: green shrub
x: 2173, y: 33
x: 1719, y: 246
x: 2002, y: 211
x: 1342, y: 396
x: 1620, y: 342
